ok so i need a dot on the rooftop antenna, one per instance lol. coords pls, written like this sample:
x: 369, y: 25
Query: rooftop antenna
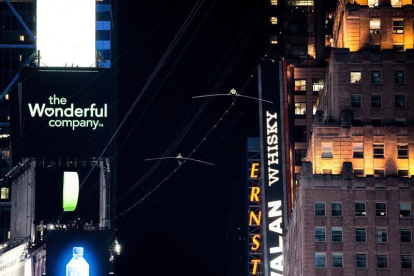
x: 180, y: 159
x: 233, y: 93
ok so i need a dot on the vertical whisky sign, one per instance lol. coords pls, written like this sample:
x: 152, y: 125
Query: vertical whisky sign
x: 273, y: 167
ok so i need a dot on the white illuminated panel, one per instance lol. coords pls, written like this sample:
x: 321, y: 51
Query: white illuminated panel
x: 66, y: 33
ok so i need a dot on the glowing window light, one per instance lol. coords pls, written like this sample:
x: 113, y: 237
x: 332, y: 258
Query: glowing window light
x: 66, y: 33
x: 70, y: 191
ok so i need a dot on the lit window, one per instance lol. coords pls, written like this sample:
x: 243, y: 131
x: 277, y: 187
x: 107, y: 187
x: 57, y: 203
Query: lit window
x: 317, y: 84
x: 300, y: 109
x: 320, y: 260
x: 4, y: 193
x: 320, y: 233
x: 336, y: 209
x: 379, y: 173
x: 273, y: 20
x: 378, y: 150
x: 360, y: 234
x: 7, y: 96
x: 382, y: 235
x: 273, y: 2
x: 399, y: 77
x: 337, y: 260
x: 300, y: 85
x: 314, y: 108
x: 399, y: 100
x: 273, y: 39
x: 407, y: 261
x: 319, y: 209
x: 405, y: 235
x: 336, y: 234
x: 327, y: 150
x: 20, y: 57
x: 302, y: 3
x: 382, y: 261
x: 403, y: 173
x: 356, y: 101
x: 381, y: 209
x: 21, y: 38
x: 405, y: 209
x: 376, y: 77
x: 375, y: 26
x: 355, y: 77
x: 361, y: 260
x: 359, y: 173
x: 398, y: 26
x: 396, y: 3
x: 358, y: 150
x: 376, y: 101
x: 402, y: 151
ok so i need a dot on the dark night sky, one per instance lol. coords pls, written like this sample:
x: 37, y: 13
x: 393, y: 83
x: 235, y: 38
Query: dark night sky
x: 181, y: 228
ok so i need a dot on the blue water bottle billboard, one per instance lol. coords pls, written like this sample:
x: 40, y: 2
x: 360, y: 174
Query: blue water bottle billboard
x: 78, y: 253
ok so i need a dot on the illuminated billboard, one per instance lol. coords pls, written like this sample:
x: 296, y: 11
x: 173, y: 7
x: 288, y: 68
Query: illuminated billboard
x: 272, y: 87
x: 59, y: 195
x: 65, y: 113
x: 66, y: 33
x: 12, y: 263
x: 83, y: 253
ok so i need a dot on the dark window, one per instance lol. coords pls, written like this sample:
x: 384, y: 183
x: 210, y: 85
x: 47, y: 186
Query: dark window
x: 398, y: 47
x: 398, y: 26
x: 361, y: 260
x: 358, y: 150
x: 382, y: 261
x: 399, y: 77
x: 405, y: 235
x: 300, y: 156
x: 359, y: 173
x: 361, y: 235
x: 378, y: 150
x: 356, y: 101
x: 376, y: 122
x: 356, y: 122
x: 360, y: 210
x: 382, y: 236
x: 405, y: 209
x: 320, y: 260
x: 400, y: 121
x: 403, y: 173
x: 336, y: 234
x: 399, y: 100
x: 376, y: 77
x: 327, y: 150
x: 299, y: 134
x: 320, y: 234
x: 402, y: 151
x: 375, y: 47
x: 381, y: 209
x: 379, y: 173
x: 407, y: 261
x: 375, y: 100
x: 337, y: 260
x: 319, y: 209
x: 336, y: 209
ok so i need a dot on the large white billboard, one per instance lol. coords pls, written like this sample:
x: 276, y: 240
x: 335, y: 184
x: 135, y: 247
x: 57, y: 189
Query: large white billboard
x: 66, y: 33
x: 12, y: 262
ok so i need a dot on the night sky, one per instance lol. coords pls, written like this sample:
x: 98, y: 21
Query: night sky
x: 180, y: 229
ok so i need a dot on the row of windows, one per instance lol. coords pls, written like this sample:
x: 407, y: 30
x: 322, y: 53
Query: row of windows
x: 361, y: 260
x: 394, y: 3
x: 300, y: 86
x: 375, y: 26
x: 376, y: 101
x: 376, y: 77
x: 381, y: 235
x: 300, y: 108
x: 358, y: 150
x: 360, y: 209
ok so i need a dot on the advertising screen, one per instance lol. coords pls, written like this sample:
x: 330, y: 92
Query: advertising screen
x: 59, y: 195
x: 64, y: 113
x: 66, y: 33
x: 78, y: 253
x: 273, y: 168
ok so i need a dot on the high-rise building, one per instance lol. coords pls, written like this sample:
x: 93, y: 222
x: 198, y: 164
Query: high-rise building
x: 57, y: 104
x: 353, y: 213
